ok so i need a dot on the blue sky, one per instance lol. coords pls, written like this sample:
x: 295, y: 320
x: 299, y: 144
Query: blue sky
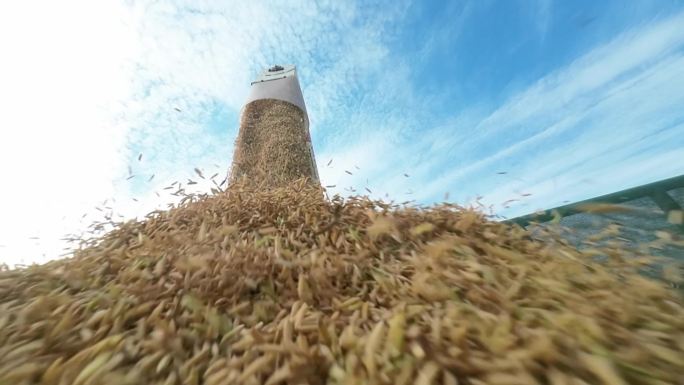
x: 526, y: 104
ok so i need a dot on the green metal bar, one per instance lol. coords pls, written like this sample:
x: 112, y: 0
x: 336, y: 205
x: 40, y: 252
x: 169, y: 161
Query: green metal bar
x: 656, y: 190
x: 665, y: 201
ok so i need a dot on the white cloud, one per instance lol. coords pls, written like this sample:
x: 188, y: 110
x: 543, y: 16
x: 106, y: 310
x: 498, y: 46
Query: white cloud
x: 610, y: 120
x: 61, y: 68
x: 602, y: 103
x: 542, y: 15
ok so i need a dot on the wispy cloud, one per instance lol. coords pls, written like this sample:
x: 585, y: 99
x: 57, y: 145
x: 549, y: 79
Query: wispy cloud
x: 543, y: 16
x: 606, y: 102
x: 613, y: 110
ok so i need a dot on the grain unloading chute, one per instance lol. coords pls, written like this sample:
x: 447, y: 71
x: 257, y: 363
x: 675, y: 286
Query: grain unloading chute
x: 273, y: 146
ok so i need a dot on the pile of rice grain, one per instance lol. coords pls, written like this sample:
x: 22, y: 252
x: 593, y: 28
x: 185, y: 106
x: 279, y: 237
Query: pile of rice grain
x: 282, y: 286
x: 273, y: 145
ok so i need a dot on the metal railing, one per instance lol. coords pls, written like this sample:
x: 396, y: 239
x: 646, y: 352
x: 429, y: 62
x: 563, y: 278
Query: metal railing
x: 656, y: 191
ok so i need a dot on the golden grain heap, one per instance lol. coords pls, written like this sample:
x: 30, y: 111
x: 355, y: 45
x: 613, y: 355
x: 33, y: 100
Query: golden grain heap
x: 282, y: 286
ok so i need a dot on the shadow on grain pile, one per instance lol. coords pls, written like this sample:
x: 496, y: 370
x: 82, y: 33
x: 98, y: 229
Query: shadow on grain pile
x: 286, y: 287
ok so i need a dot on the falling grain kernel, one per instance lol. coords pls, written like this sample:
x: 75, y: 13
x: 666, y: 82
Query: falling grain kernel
x: 279, y: 375
x: 372, y: 346
x: 555, y: 377
x: 202, y: 233
x: 449, y: 378
x: 417, y: 350
x: 380, y: 226
x: 348, y: 339
x: 348, y: 172
x: 422, y: 228
x: 303, y: 289
x: 337, y: 373
x: 92, y: 368
x: 163, y: 363
x: 602, y: 368
x: 674, y: 272
x: 395, y: 334
x: 256, y: 366
x: 427, y: 374
x: 52, y: 373
x: 299, y: 315
x: 664, y: 353
x: 676, y: 217
x: 19, y: 373
x: 604, y: 208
